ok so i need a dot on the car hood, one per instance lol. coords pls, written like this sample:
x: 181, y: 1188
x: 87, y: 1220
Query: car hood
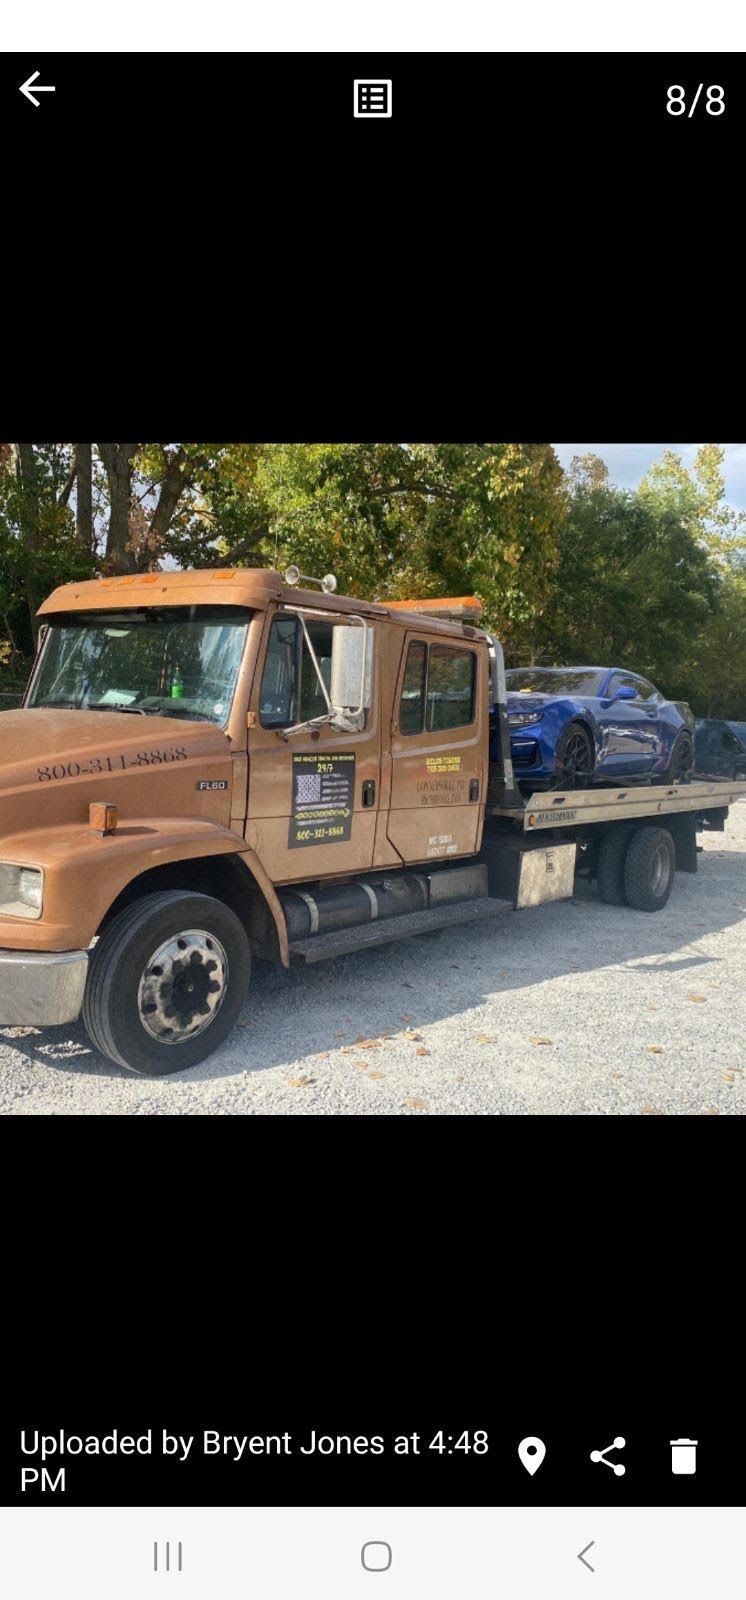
x: 53, y: 763
x: 531, y: 701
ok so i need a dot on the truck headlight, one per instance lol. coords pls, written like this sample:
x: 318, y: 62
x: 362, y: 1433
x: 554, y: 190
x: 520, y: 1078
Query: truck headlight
x: 518, y: 719
x: 21, y: 890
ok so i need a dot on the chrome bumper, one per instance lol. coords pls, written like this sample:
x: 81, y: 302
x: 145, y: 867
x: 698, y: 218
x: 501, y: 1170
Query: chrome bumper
x: 41, y: 989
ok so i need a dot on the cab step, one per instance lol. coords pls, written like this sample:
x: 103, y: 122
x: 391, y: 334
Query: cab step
x: 323, y: 946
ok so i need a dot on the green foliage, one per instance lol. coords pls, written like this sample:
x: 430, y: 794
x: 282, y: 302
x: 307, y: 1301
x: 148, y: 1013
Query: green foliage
x: 697, y: 497
x: 396, y: 521
x: 714, y: 676
x: 37, y: 544
x: 633, y: 586
x: 569, y: 568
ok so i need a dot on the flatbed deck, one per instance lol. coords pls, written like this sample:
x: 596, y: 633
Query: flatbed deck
x: 579, y: 807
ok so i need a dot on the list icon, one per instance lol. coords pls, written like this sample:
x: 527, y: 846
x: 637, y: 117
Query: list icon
x: 372, y: 97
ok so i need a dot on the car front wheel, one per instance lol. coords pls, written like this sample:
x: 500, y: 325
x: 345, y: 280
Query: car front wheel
x: 575, y: 760
x: 166, y: 981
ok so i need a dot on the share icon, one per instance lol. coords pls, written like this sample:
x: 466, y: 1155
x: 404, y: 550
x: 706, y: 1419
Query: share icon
x: 617, y: 1467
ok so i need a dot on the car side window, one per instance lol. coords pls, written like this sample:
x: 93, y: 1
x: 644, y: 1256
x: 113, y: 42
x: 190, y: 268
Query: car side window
x: 622, y: 680
x: 646, y: 691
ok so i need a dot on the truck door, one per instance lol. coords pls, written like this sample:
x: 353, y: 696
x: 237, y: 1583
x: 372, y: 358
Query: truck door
x: 439, y: 740
x: 313, y: 796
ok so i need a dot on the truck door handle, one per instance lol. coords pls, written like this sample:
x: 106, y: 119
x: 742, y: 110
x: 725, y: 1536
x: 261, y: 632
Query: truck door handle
x: 369, y: 792
x: 474, y: 789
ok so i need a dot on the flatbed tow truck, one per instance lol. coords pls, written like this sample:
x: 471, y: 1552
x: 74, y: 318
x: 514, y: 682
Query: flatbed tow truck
x: 216, y: 766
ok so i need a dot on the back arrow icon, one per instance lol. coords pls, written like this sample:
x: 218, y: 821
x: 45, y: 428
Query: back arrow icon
x: 582, y: 1556
x: 39, y: 88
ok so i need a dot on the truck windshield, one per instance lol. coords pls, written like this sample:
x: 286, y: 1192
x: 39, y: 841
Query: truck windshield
x: 176, y: 662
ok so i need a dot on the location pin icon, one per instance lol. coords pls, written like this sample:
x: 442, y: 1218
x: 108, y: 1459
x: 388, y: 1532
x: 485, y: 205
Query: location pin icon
x: 532, y: 1452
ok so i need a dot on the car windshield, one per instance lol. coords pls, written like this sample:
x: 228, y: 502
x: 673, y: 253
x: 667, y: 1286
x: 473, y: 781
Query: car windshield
x: 552, y: 680
x: 739, y: 729
x: 176, y: 662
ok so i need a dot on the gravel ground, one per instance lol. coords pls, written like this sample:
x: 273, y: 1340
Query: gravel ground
x: 577, y: 1008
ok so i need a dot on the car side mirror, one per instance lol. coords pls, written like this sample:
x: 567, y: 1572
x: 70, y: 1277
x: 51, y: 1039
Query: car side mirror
x: 626, y: 692
x: 351, y: 685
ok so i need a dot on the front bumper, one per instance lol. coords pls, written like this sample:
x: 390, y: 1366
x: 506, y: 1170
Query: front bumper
x: 41, y: 989
x: 528, y: 756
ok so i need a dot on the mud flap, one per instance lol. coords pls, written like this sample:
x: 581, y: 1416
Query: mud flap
x: 683, y: 830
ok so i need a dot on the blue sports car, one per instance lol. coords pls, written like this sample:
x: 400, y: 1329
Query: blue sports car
x: 573, y: 726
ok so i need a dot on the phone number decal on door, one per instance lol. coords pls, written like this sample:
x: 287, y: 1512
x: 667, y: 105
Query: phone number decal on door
x: 323, y: 799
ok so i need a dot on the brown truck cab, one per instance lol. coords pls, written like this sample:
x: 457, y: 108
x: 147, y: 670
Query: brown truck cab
x: 212, y: 766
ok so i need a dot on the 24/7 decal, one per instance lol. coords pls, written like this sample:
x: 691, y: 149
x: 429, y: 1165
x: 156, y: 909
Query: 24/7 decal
x: 323, y: 799
x: 118, y: 763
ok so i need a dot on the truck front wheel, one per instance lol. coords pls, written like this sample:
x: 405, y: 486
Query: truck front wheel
x: 166, y: 982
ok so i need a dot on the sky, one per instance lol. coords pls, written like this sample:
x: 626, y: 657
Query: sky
x: 628, y: 463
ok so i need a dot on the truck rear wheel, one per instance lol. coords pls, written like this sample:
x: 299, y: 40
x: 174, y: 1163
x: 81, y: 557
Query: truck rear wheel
x: 649, y: 868
x: 166, y: 982
x: 612, y: 853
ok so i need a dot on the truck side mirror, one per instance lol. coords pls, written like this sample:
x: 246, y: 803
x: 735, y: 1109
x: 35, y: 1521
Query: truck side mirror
x: 351, y: 688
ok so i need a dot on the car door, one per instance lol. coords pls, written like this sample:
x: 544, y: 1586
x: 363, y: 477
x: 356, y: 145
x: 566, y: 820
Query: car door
x: 313, y: 796
x: 632, y: 727
x: 439, y: 736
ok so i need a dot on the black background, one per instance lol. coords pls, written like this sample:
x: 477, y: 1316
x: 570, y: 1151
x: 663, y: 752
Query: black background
x: 570, y: 1279
x: 212, y: 247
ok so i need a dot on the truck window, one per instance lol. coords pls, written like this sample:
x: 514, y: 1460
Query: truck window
x: 450, y: 687
x: 438, y: 688
x: 412, y: 704
x: 278, y: 694
x: 290, y: 690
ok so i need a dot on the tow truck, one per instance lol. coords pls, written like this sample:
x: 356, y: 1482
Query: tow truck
x: 217, y: 766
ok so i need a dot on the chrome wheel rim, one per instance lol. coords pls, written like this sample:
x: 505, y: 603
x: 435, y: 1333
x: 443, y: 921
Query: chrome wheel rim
x: 660, y: 872
x: 183, y: 986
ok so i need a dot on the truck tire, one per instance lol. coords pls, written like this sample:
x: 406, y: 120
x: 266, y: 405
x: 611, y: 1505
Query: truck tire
x: 649, y: 869
x: 166, y: 982
x: 612, y: 853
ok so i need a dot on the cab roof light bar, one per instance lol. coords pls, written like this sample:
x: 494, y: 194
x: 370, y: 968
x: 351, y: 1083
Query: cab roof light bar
x: 464, y: 608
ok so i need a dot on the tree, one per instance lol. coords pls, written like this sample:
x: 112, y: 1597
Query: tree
x: 83, y: 472
x: 633, y: 586
x: 697, y: 496
x: 397, y: 521
x: 117, y: 461
x: 37, y: 537
x: 714, y: 678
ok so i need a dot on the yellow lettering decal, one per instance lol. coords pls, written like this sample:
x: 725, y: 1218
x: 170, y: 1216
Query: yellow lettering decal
x: 443, y: 763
